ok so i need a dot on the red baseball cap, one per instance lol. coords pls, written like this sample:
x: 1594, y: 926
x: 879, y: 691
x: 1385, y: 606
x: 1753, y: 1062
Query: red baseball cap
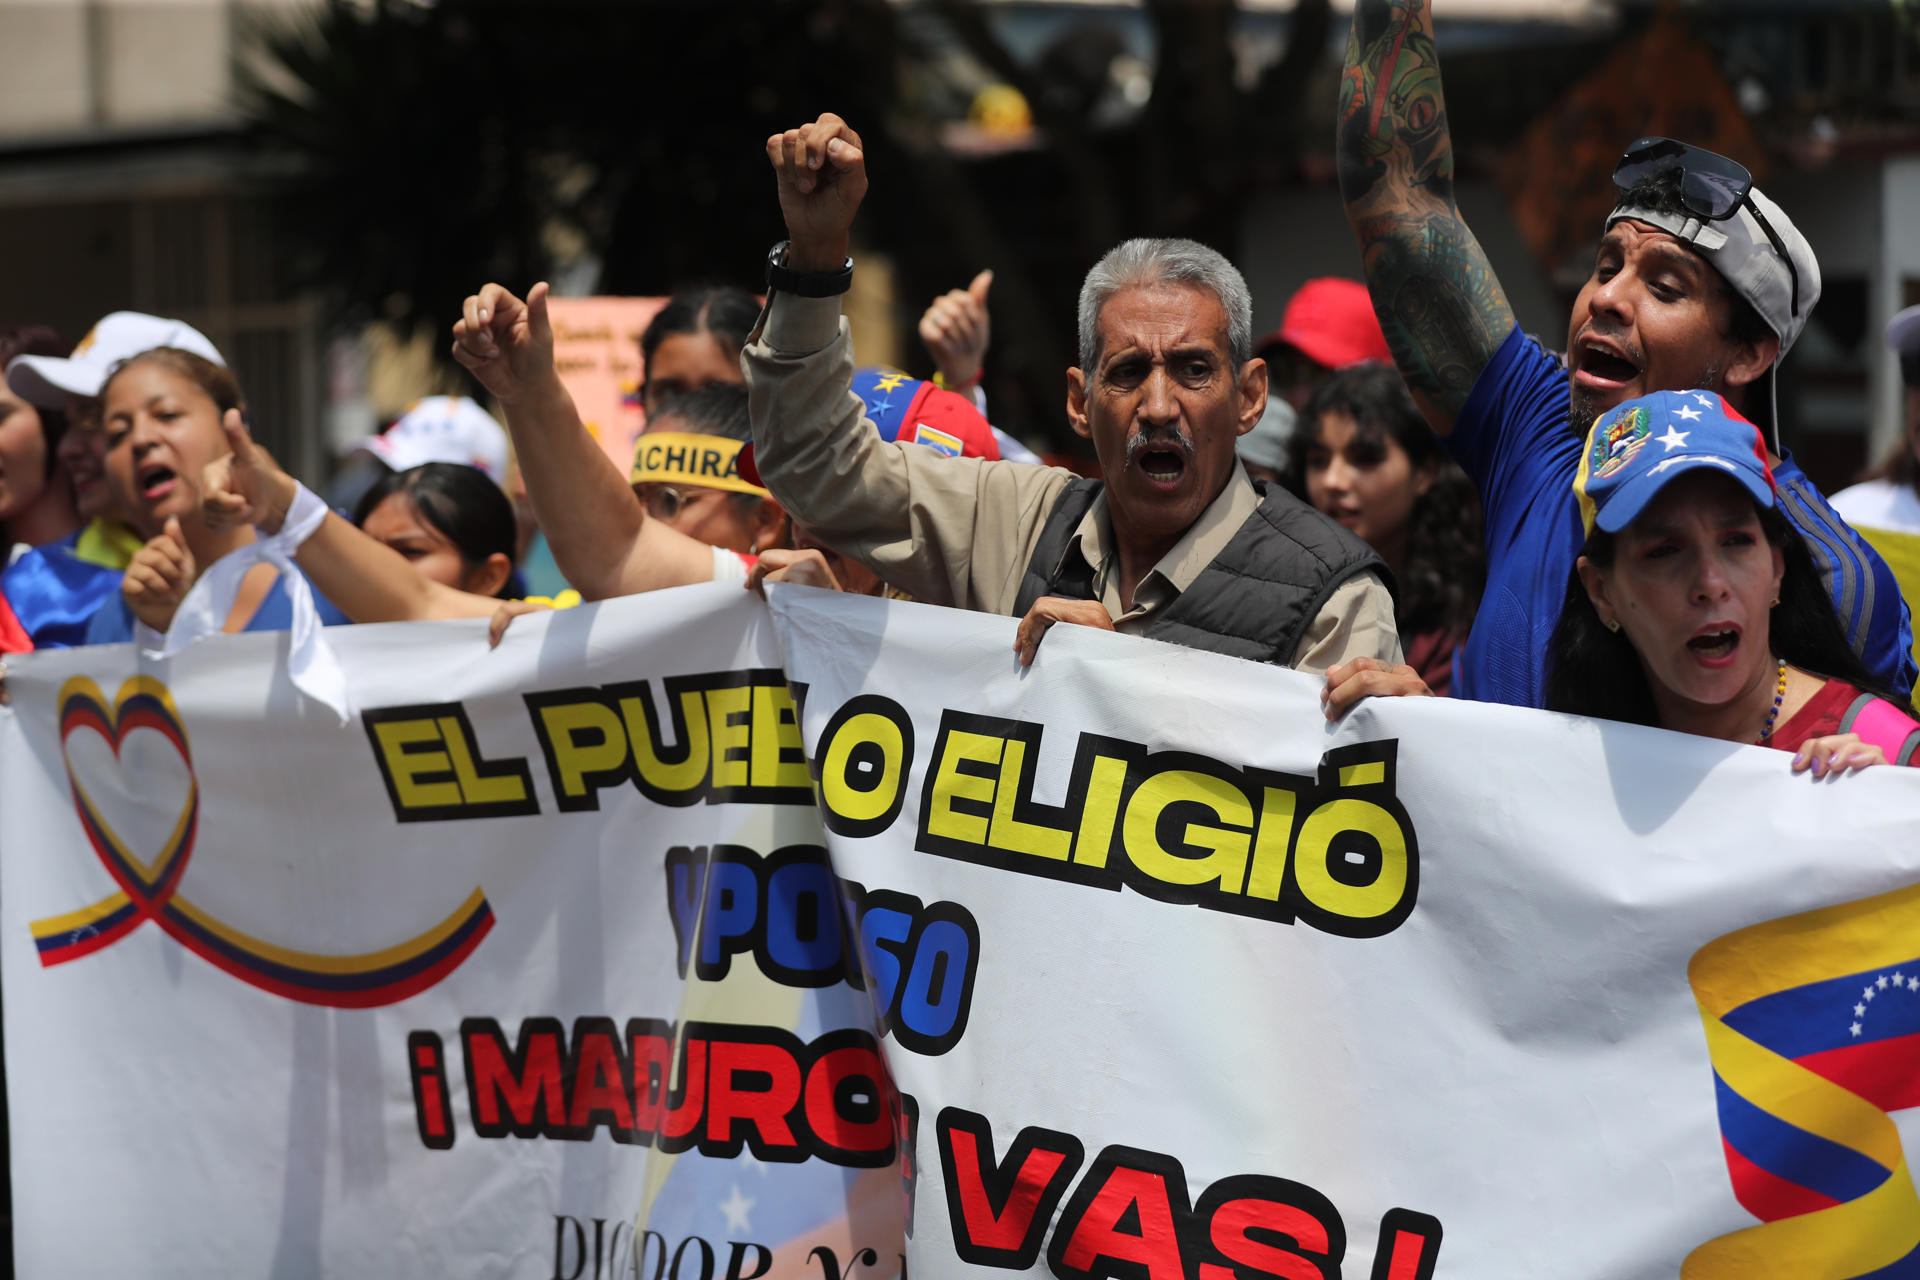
x: 1331, y: 322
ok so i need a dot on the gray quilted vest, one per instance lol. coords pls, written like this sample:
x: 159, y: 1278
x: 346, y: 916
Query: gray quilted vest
x: 1256, y: 598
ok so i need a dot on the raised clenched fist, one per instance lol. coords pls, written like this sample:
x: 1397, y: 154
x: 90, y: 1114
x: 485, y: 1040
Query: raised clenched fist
x: 822, y: 173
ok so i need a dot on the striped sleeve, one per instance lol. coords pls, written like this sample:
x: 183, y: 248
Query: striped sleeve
x: 1865, y: 593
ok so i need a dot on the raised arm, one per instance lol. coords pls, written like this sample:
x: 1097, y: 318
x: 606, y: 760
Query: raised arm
x: 598, y: 528
x: 951, y: 531
x: 366, y: 579
x: 1438, y: 300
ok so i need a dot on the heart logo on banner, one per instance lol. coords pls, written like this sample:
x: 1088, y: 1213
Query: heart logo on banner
x: 130, y: 771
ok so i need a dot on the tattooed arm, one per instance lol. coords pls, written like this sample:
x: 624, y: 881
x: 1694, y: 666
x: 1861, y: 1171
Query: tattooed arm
x: 1443, y: 310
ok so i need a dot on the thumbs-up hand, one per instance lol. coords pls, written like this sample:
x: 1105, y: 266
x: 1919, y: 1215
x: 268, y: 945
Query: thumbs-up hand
x: 956, y: 332
x: 504, y: 342
x: 821, y: 170
x: 245, y: 487
x: 159, y: 577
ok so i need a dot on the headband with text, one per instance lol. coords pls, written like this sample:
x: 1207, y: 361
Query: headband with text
x: 674, y: 457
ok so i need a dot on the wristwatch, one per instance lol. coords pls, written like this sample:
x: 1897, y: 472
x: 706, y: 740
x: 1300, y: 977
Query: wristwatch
x: 805, y: 284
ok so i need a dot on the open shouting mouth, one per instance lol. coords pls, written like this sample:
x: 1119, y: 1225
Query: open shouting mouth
x: 1601, y: 365
x: 1162, y: 460
x: 156, y: 481
x: 1715, y: 644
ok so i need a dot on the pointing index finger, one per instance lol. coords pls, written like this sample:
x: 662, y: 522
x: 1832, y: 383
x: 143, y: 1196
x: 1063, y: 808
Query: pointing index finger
x: 239, y: 439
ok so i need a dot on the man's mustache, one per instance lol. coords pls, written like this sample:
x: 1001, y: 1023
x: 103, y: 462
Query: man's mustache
x: 1172, y: 438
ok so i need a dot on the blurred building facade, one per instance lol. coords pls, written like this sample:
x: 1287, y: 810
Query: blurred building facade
x: 126, y: 178
x: 125, y: 184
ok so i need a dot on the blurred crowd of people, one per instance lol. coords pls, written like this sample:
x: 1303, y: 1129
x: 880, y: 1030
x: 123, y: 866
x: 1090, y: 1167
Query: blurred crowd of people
x: 1396, y: 490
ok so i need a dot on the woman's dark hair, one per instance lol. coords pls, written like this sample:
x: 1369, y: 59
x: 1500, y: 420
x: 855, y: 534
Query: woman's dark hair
x: 216, y: 380
x: 1445, y: 568
x: 717, y: 409
x: 37, y: 340
x: 728, y: 314
x: 459, y: 502
x: 1592, y: 671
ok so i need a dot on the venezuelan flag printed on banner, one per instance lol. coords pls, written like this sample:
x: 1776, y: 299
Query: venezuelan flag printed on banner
x: 1813, y: 1025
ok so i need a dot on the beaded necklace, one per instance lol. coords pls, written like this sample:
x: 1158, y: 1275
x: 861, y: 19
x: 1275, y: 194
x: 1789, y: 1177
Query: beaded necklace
x: 1773, y: 713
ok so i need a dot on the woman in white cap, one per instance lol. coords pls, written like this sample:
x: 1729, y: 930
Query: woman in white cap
x: 59, y: 585
x: 165, y: 414
x: 1694, y: 607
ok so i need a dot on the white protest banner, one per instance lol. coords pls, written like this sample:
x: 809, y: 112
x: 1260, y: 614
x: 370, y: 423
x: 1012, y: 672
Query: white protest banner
x: 532, y: 969
x: 1215, y: 989
x: 476, y: 984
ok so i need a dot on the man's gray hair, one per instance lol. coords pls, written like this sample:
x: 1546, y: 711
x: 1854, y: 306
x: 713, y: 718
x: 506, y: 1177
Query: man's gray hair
x: 1151, y: 262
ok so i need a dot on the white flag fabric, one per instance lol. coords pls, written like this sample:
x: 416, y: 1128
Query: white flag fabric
x: 563, y: 961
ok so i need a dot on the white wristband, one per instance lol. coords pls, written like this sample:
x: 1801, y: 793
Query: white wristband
x: 311, y: 663
x: 305, y: 514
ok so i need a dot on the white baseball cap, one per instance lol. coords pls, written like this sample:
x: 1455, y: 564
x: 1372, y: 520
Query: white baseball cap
x: 443, y: 429
x: 1770, y: 276
x: 47, y: 381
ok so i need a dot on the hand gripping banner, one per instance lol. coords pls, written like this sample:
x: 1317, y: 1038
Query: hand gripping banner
x: 1407, y: 995
x: 691, y: 938
x: 635, y: 1045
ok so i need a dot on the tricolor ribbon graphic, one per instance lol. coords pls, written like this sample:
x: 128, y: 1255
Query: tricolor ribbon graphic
x: 150, y: 891
x: 1813, y: 1025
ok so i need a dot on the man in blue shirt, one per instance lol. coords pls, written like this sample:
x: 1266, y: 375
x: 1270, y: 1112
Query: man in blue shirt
x: 1700, y: 281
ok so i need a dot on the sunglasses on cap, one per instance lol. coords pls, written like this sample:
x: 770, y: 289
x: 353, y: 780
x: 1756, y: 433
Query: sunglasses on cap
x: 1712, y: 188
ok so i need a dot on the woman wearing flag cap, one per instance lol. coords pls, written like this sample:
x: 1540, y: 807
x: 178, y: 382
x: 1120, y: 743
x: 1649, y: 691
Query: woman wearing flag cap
x: 1693, y: 606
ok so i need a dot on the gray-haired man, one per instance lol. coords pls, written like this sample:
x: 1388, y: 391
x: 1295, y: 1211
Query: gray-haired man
x: 1172, y: 542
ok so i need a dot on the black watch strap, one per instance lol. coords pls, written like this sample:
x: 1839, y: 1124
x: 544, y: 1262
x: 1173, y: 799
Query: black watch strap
x: 805, y: 284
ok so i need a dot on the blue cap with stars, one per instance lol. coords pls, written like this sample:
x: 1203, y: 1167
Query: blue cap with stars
x: 1635, y: 448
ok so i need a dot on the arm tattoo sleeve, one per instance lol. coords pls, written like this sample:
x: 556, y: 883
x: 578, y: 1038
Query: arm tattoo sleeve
x: 1439, y: 302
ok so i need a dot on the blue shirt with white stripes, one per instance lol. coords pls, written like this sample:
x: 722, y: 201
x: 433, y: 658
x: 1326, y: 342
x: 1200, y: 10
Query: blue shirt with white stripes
x: 1513, y: 439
